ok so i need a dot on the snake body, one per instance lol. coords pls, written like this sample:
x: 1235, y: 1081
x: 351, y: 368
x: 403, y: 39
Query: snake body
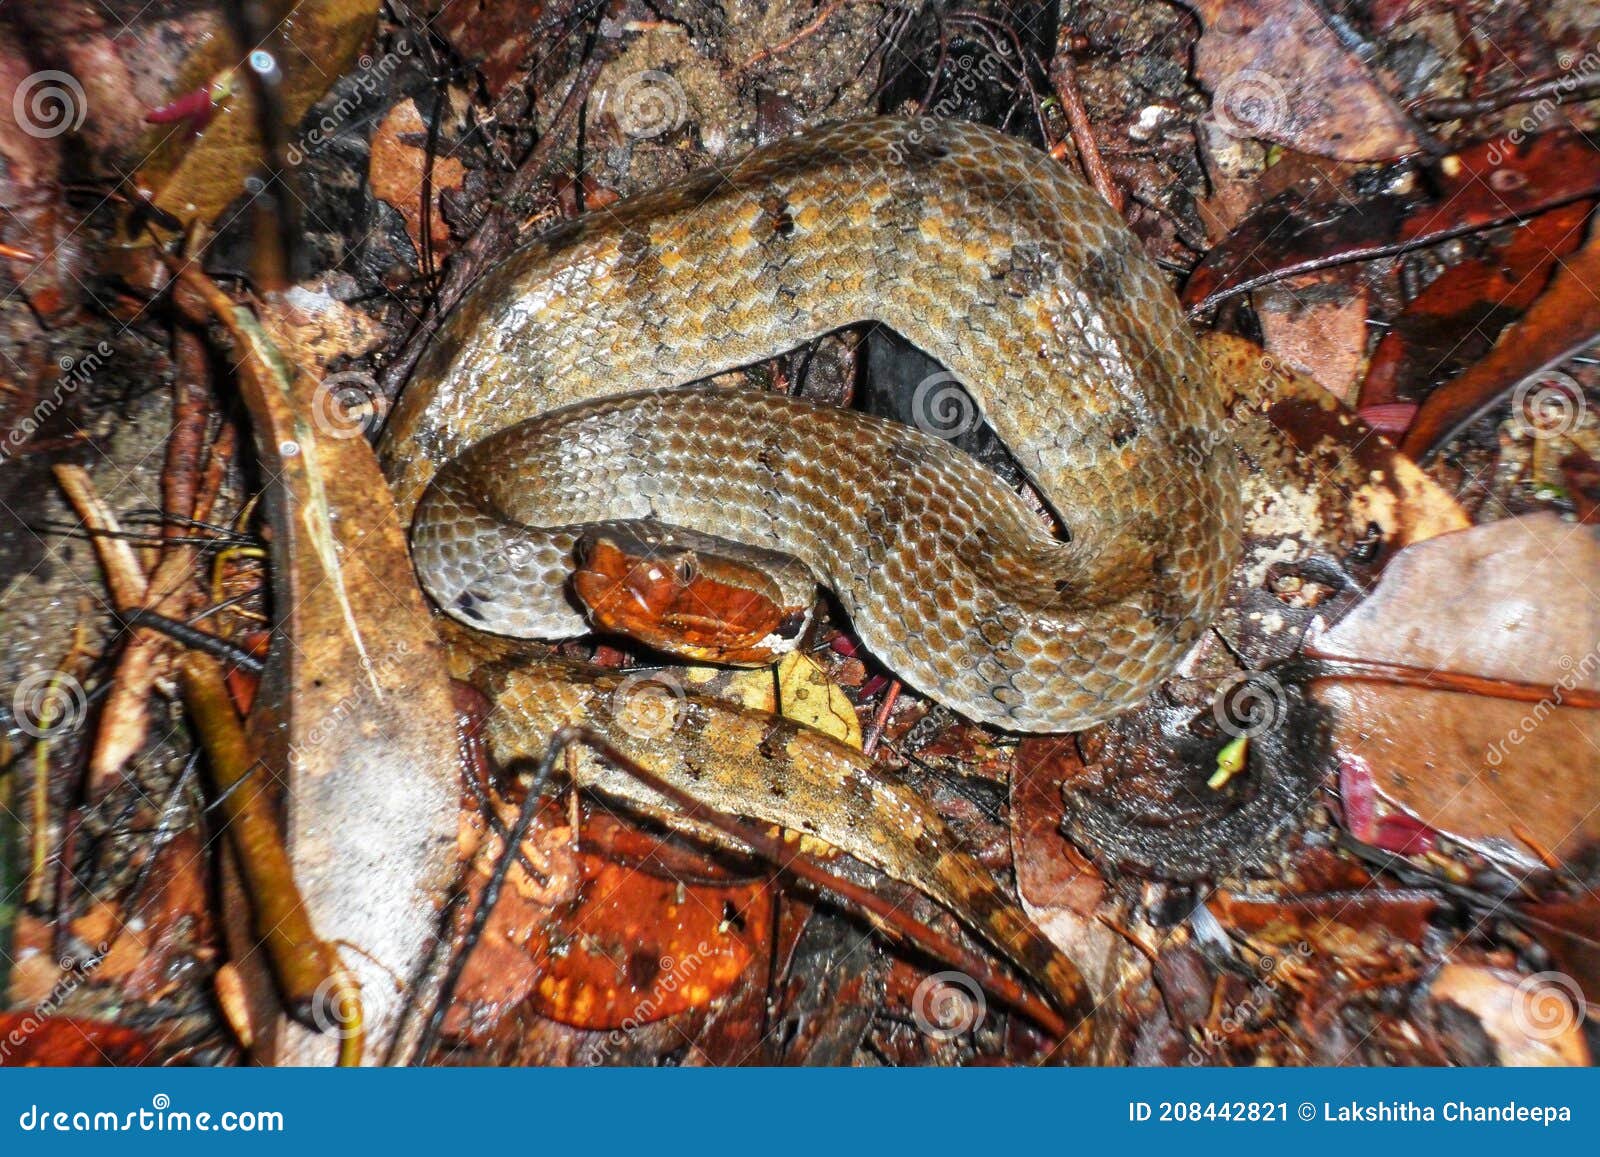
x: 546, y: 402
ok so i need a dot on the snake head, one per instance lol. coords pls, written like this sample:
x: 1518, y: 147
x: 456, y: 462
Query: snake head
x: 685, y: 600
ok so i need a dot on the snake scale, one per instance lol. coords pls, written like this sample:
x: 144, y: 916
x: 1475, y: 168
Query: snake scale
x: 549, y: 399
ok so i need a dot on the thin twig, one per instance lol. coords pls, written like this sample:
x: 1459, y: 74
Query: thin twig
x: 869, y: 746
x: 804, y: 34
x: 1064, y: 79
x: 124, y: 574
x: 196, y: 639
x: 1319, y: 667
x: 316, y: 988
x: 1561, y: 88
x: 491, y: 895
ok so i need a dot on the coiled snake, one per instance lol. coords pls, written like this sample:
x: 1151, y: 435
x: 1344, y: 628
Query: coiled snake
x: 981, y: 250
x: 546, y: 401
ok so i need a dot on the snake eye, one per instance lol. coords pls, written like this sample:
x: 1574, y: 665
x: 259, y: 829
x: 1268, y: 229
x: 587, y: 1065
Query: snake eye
x: 685, y: 570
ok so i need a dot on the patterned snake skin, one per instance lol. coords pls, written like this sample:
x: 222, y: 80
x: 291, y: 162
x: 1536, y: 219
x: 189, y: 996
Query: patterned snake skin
x: 984, y: 252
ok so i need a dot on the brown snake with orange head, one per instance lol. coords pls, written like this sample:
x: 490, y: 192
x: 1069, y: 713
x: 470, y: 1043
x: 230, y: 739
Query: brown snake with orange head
x: 548, y: 402
x: 984, y: 252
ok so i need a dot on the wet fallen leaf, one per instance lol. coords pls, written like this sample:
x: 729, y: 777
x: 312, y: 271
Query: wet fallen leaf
x: 1455, y: 320
x: 515, y: 944
x: 1350, y: 926
x: 65, y: 1041
x: 1059, y: 889
x: 1279, y: 72
x: 1559, y: 324
x: 313, y: 322
x: 1480, y: 186
x: 493, y: 35
x: 603, y: 942
x: 639, y: 948
x: 1476, y: 768
x: 171, y: 924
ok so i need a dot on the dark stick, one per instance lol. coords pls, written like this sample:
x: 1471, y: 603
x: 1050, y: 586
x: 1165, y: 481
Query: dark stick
x: 491, y: 892
x: 196, y: 639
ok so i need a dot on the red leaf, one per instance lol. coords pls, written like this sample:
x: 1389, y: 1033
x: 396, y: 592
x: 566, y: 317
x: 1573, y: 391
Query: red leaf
x: 1403, y: 835
x: 1357, y: 798
x: 197, y: 108
x: 1392, y: 418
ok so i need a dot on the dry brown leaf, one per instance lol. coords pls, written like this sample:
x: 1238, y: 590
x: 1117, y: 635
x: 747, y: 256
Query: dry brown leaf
x: 1517, y: 600
x: 1278, y: 72
x: 1319, y: 485
x: 1059, y: 889
x: 1317, y: 323
x: 354, y: 648
x: 1528, y: 1020
x: 193, y: 177
x: 396, y: 170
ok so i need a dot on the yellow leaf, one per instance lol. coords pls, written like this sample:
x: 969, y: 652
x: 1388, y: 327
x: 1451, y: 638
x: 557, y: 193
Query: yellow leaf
x: 313, y: 42
x: 808, y: 696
